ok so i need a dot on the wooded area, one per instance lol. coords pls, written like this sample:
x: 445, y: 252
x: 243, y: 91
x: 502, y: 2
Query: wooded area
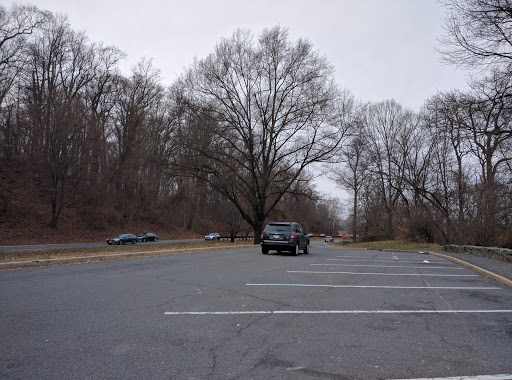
x: 231, y: 144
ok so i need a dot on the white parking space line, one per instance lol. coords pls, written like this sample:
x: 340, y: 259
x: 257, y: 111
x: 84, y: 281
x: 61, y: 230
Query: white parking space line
x: 386, y: 274
x: 387, y: 261
x: 382, y: 286
x: 368, y: 256
x: 425, y: 266
x: 480, y: 377
x: 353, y: 312
x: 359, y: 257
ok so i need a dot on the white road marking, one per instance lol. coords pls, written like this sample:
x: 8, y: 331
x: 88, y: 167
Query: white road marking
x: 256, y: 312
x: 386, y: 274
x: 386, y: 261
x: 361, y: 257
x: 481, y: 377
x: 391, y: 254
x: 426, y: 266
x: 383, y: 286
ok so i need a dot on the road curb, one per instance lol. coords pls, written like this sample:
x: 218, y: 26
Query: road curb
x: 485, y: 272
x: 115, y: 256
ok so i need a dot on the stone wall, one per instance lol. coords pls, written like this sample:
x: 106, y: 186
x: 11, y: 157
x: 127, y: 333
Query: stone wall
x: 502, y: 254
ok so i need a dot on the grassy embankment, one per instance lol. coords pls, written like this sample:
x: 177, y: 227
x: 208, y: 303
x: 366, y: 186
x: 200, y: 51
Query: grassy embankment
x: 395, y: 245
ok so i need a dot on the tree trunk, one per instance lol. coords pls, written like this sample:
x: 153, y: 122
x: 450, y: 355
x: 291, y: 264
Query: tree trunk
x: 354, y: 222
x: 258, y: 229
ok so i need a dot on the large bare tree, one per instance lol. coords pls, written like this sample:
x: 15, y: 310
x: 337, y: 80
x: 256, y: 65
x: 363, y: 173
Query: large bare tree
x: 388, y: 124
x: 16, y: 24
x: 353, y: 158
x: 263, y: 112
x: 489, y: 127
x: 137, y: 111
x: 478, y: 32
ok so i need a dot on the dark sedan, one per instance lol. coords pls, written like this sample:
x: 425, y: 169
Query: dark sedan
x: 122, y: 239
x: 147, y: 236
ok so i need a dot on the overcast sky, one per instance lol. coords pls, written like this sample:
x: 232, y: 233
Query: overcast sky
x: 380, y: 49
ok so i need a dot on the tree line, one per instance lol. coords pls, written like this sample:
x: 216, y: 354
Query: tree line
x: 232, y: 143
x: 443, y: 174
x: 114, y: 148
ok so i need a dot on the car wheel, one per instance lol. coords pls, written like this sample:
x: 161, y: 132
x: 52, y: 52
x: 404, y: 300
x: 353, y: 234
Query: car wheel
x: 264, y: 250
x: 297, y: 249
x: 121, y: 242
x: 306, y: 250
x: 134, y: 241
x: 109, y: 242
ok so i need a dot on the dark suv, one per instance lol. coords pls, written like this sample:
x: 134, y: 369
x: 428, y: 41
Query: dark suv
x: 284, y: 236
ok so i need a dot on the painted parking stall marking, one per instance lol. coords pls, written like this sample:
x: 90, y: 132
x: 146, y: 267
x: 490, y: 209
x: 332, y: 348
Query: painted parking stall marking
x: 353, y: 312
x: 386, y: 274
x: 386, y: 261
x: 480, y: 377
x: 390, y: 266
x: 384, y: 286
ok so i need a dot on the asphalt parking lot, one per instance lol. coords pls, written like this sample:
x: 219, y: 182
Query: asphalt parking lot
x: 238, y: 314
x: 425, y: 315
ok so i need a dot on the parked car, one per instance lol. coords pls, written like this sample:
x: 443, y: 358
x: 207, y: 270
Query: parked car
x: 212, y: 236
x: 122, y: 239
x: 329, y: 239
x: 284, y: 236
x: 147, y: 236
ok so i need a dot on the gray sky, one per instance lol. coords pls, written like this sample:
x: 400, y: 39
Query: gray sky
x: 381, y: 49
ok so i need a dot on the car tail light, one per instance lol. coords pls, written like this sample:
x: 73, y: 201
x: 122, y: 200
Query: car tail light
x: 292, y: 235
x: 262, y: 236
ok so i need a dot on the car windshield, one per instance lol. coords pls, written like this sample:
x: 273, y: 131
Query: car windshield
x: 278, y: 228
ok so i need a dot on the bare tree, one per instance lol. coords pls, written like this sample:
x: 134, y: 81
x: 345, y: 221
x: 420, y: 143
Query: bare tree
x: 62, y: 66
x: 101, y: 96
x: 139, y: 97
x: 489, y: 125
x: 264, y: 112
x: 446, y: 185
x: 478, y: 32
x: 352, y: 172
x: 334, y: 210
x: 15, y: 25
x: 385, y: 122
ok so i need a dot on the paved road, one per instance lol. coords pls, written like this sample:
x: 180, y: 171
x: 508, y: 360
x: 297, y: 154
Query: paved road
x: 238, y: 314
x: 79, y: 245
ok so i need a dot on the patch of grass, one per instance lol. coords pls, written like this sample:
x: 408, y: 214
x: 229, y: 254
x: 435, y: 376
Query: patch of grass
x: 396, y: 245
x: 59, y: 253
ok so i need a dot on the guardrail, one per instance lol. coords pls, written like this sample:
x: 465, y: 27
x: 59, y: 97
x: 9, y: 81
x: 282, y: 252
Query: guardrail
x: 313, y: 236
x: 236, y: 237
